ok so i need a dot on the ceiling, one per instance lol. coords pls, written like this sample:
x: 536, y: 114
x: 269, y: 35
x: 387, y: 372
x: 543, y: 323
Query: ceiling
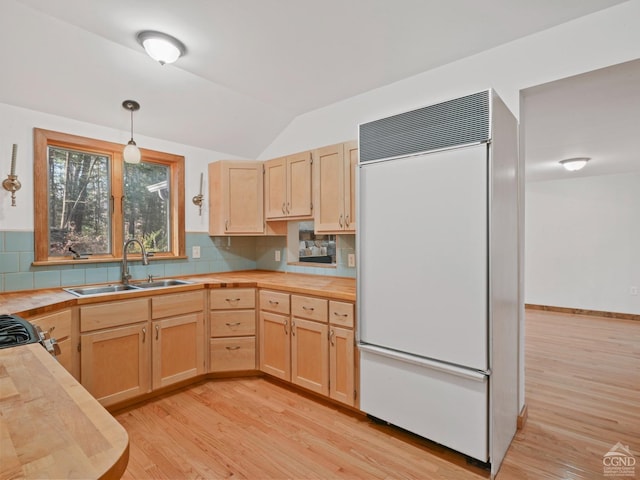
x: 596, y: 115
x: 251, y: 66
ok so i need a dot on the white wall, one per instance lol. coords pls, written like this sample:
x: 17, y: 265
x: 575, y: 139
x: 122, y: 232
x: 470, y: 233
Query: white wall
x: 583, y: 243
x: 16, y: 126
x: 604, y: 38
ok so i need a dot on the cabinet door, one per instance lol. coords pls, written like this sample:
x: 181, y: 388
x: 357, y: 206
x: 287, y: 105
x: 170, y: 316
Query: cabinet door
x: 236, y: 198
x: 329, y: 189
x: 309, y: 350
x: 115, y: 363
x: 350, y: 172
x: 275, y: 356
x: 275, y: 188
x: 60, y: 325
x: 341, y: 365
x: 178, y: 349
x: 299, y: 185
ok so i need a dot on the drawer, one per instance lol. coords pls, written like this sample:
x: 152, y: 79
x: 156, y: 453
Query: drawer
x: 341, y: 313
x: 57, y: 324
x: 309, y: 307
x: 113, y: 314
x: 176, y: 304
x: 233, y: 324
x: 232, y: 354
x: 232, y: 298
x: 274, y: 301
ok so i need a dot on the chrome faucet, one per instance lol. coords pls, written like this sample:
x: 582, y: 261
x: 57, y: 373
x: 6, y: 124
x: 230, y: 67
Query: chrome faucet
x: 126, y: 276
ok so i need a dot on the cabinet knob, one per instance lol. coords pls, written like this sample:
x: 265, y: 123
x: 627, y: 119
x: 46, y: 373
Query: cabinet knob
x: 286, y: 332
x: 340, y: 221
x: 284, y: 212
x: 144, y: 334
x: 331, y: 335
x: 293, y: 328
x: 346, y: 221
x: 157, y: 331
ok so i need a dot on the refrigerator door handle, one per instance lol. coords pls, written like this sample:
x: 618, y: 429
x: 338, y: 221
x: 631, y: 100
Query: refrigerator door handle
x: 478, y: 375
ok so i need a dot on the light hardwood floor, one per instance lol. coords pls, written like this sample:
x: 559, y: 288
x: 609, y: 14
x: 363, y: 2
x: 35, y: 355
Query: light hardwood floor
x: 582, y: 389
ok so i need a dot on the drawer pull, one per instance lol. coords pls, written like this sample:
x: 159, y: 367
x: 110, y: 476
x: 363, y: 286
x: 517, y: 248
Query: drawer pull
x: 234, y: 324
x: 311, y: 309
x: 157, y: 331
x: 286, y: 332
x: 331, y: 335
x: 293, y: 328
x: 273, y: 302
x: 144, y: 334
x: 341, y: 314
x: 235, y: 347
x: 232, y: 299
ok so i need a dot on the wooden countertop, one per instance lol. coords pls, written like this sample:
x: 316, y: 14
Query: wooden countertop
x: 50, y: 426
x: 34, y: 302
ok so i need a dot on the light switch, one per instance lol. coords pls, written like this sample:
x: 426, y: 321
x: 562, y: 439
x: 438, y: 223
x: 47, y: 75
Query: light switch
x: 195, y: 251
x: 351, y: 260
x: 277, y: 255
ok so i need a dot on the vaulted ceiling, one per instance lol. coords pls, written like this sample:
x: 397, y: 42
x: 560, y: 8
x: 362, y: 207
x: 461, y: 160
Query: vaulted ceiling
x: 251, y: 66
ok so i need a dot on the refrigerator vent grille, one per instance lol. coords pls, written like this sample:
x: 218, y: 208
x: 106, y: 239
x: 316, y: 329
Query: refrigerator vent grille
x: 456, y: 122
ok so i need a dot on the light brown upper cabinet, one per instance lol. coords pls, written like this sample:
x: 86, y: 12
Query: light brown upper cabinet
x: 287, y: 187
x: 334, y: 188
x: 236, y: 198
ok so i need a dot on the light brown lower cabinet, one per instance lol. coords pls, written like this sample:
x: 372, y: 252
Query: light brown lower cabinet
x: 232, y: 320
x: 131, y: 347
x: 62, y: 326
x: 308, y: 341
x: 115, y: 362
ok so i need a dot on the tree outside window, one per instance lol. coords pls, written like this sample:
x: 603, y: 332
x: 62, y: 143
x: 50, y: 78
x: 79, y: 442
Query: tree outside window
x: 90, y: 201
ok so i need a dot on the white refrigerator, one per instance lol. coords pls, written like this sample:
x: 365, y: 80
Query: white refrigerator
x: 437, y: 273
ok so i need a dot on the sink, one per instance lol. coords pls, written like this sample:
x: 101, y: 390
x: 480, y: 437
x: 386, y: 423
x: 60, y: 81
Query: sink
x: 169, y: 282
x: 82, y: 291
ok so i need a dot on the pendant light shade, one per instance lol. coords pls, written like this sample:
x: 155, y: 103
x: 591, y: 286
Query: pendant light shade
x: 161, y: 47
x: 131, y: 153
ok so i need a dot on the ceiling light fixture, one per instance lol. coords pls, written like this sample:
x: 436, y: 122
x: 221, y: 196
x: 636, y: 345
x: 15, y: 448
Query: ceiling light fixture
x: 573, y: 164
x: 131, y: 152
x: 161, y: 47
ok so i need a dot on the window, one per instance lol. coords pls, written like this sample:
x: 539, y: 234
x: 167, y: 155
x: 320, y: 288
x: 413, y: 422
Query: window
x: 90, y: 201
x: 308, y: 247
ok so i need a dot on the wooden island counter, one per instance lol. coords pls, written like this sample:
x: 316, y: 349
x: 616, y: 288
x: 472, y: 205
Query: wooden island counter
x: 50, y: 426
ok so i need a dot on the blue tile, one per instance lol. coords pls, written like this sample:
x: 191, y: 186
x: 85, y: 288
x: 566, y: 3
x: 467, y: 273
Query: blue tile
x: 1, y: 241
x: 96, y: 275
x: 46, y: 279
x: 172, y: 269
x: 9, y: 262
x: 114, y: 274
x: 72, y: 277
x: 187, y: 269
x: 26, y: 259
x: 202, y: 267
x: 18, y: 241
x: 18, y: 281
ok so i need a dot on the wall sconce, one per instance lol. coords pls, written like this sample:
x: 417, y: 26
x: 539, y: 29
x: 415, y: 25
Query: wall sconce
x: 161, y: 47
x: 197, y: 200
x: 11, y: 183
x: 574, y: 164
x: 131, y: 152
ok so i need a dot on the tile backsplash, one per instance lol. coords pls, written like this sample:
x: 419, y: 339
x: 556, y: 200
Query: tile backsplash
x: 217, y: 254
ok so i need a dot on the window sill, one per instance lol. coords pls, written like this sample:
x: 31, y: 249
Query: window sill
x: 91, y: 260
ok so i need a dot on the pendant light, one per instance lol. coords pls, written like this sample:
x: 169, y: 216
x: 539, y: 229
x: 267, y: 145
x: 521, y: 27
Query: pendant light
x: 574, y: 164
x: 161, y: 47
x: 131, y: 152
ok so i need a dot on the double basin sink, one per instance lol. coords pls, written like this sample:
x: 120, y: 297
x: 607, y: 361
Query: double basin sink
x: 121, y: 287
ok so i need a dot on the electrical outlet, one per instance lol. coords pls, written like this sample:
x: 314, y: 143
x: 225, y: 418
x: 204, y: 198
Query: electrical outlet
x: 277, y: 255
x: 351, y: 260
x: 195, y: 251
x: 633, y: 290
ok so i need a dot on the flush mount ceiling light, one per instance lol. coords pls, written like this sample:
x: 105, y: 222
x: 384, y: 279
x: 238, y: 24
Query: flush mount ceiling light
x: 161, y: 47
x: 131, y: 152
x: 573, y: 164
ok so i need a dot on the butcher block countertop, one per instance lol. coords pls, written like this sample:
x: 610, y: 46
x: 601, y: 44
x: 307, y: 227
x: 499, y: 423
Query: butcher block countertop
x: 34, y: 302
x: 50, y: 426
